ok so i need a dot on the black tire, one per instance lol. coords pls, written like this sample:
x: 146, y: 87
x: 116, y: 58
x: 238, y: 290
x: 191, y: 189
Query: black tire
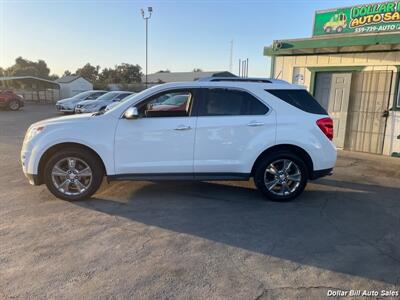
x: 339, y: 29
x: 89, y: 158
x: 14, y: 105
x: 328, y: 29
x: 260, y: 171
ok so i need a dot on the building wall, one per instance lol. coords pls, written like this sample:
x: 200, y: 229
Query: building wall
x: 295, y: 69
x: 75, y: 87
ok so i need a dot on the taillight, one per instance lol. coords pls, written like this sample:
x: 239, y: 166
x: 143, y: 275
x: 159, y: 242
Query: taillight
x: 326, y: 125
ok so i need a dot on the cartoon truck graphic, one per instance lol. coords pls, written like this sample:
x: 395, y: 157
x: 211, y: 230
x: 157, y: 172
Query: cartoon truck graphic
x: 336, y: 24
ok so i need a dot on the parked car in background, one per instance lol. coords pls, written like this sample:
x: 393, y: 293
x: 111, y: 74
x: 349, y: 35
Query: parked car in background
x: 228, y: 129
x: 101, y: 103
x: 68, y: 105
x: 10, y: 100
x: 114, y: 104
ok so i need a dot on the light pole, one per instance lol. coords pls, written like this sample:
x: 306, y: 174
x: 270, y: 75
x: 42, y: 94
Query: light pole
x: 146, y: 18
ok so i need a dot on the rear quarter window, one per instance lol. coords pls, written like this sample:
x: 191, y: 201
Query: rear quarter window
x: 300, y: 99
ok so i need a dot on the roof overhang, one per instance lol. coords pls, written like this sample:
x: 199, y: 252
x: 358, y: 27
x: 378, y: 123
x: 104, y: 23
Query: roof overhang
x: 335, y: 44
x: 30, y: 79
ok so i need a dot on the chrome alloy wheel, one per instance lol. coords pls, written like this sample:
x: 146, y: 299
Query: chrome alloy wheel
x: 282, y: 177
x: 71, y: 176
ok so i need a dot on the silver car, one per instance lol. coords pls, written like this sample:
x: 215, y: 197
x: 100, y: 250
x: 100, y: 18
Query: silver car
x: 101, y: 103
x: 114, y: 104
x: 68, y: 105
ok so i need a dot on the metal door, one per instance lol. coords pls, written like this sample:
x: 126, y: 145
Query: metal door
x: 332, y: 92
x: 369, y: 103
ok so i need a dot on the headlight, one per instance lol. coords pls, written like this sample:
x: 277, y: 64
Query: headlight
x: 32, y: 132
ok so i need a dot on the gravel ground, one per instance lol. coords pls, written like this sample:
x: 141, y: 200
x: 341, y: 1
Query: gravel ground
x: 204, y: 240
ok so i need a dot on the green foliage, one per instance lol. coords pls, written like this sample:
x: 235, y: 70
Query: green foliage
x: 66, y: 73
x: 89, y: 72
x: 24, y: 67
x: 122, y: 74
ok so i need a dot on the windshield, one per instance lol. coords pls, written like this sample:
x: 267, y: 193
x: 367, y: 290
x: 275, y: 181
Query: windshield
x: 82, y: 95
x: 108, y: 96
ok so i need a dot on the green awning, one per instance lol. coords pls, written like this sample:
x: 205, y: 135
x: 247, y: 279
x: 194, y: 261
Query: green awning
x: 334, y: 44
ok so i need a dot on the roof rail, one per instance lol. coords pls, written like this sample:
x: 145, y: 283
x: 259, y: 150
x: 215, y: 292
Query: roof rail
x: 241, y: 79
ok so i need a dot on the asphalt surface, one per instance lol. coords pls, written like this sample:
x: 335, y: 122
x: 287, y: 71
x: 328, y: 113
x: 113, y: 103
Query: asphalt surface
x: 204, y: 240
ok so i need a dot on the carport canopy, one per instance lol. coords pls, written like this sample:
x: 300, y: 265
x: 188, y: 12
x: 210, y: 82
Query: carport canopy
x: 27, y: 82
x: 335, y: 44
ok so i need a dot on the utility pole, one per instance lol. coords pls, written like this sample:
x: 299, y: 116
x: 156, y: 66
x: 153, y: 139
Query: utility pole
x: 231, y: 57
x: 146, y: 18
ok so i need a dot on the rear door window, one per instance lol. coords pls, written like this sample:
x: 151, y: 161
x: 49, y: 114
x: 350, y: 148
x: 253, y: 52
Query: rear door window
x: 227, y: 102
x: 300, y: 99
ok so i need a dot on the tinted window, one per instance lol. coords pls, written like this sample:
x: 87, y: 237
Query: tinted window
x: 168, y: 104
x: 225, y: 102
x: 95, y: 95
x: 300, y: 99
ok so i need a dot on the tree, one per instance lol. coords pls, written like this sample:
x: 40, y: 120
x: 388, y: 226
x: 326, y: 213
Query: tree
x: 53, y: 77
x: 89, y: 72
x: 67, y: 73
x: 2, y: 72
x: 123, y: 73
x: 127, y: 73
x: 164, y: 71
x: 24, y: 67
x: 197, y: 70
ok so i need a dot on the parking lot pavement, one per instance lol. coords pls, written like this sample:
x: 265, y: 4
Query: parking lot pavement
x: 208, y: 240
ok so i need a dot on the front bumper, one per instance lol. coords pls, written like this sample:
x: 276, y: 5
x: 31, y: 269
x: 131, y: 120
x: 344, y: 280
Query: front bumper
x: 62, y: 108
x: 81, y: 110
x: 33, y: 179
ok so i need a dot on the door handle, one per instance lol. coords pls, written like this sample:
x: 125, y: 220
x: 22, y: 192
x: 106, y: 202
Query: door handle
x: 254, y: 124
x: 183, y: 127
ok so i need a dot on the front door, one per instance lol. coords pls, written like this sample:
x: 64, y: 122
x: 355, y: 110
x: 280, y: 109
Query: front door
x: 332, y: 91
x: 161, y: 140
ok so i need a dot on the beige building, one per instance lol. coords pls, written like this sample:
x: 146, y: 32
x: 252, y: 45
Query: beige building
x: 355, y: 77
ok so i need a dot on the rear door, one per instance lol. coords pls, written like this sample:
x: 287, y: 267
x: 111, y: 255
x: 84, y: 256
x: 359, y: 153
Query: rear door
x: 231, y: 125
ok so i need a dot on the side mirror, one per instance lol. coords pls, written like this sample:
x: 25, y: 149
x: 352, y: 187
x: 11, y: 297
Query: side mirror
x: 131, y: 113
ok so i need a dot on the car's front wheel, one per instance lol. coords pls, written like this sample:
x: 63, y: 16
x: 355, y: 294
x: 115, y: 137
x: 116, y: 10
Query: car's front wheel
x: 73, y: 174
x: 282, y: 176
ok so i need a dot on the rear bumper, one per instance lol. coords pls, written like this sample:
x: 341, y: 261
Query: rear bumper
x: 321, y: 173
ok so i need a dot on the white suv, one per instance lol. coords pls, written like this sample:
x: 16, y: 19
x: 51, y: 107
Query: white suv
x: 214, y: 129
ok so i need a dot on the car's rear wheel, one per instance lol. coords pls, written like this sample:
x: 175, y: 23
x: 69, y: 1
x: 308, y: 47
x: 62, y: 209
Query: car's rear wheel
x: 14, y: 105
x: 281, y: 176
x: 73, y: 174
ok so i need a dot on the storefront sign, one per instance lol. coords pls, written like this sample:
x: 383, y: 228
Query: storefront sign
x: 366, y: 18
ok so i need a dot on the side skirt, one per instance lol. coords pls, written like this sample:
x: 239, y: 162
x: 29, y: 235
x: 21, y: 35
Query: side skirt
x: 180, y: 176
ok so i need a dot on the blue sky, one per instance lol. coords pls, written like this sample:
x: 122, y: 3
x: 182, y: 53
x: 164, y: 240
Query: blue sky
x: 182, y: 34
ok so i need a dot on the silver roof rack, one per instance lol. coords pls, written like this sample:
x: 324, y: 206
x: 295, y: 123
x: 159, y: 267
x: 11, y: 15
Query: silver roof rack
x: 241, y: 79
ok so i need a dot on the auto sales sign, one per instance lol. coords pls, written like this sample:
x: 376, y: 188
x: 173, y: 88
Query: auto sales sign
x: 366, y: 18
